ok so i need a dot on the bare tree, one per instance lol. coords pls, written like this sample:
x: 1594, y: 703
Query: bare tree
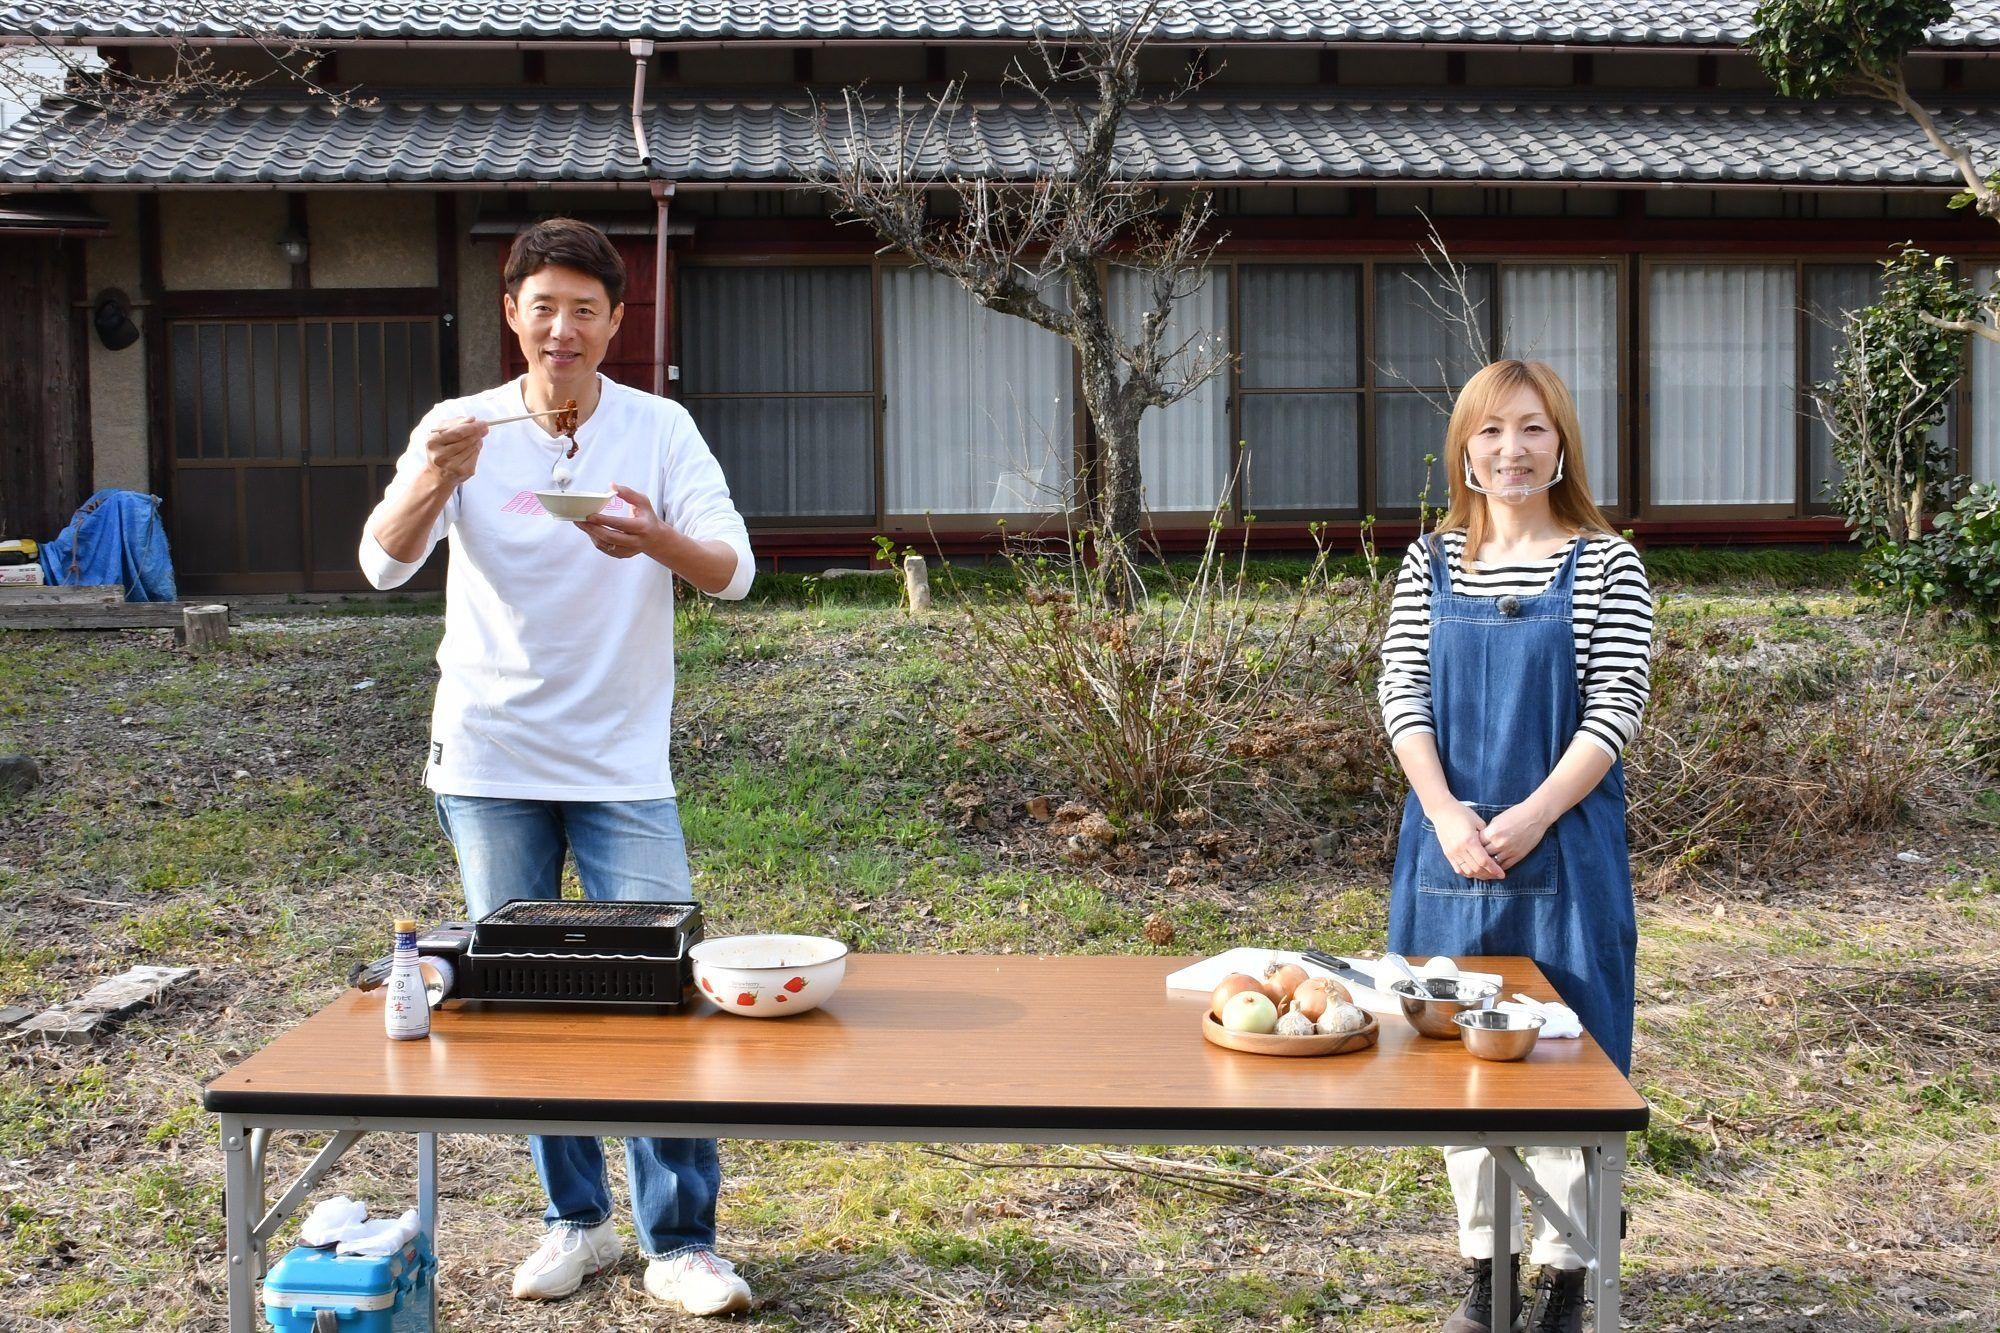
x: 1037, y: 246
x: 35, y: 68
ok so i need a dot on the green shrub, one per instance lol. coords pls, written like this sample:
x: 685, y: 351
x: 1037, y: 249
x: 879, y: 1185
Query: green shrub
x: 1964, y: 558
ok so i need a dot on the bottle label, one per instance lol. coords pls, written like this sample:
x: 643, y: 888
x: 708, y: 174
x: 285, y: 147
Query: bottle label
x: 406, y: 1012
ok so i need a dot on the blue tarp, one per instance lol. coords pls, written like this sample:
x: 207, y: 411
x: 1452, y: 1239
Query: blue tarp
x: 115, y: 538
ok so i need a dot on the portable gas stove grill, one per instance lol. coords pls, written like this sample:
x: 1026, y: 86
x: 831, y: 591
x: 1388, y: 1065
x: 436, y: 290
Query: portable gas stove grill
x: 630, y: 954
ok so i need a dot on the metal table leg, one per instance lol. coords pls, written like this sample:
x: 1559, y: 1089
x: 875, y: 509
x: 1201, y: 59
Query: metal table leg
x: 1607, y: 1203
x: 239, y: 1200
x: 427, y: 1204
x: 1505, y: 1210
x: 1575, y: 1231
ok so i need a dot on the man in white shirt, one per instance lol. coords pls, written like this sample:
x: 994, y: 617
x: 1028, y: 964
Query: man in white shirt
x: 556, y: 687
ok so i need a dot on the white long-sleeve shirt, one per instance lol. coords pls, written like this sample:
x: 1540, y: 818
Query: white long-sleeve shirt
x: 1612, y: 607
x: 556, y: 672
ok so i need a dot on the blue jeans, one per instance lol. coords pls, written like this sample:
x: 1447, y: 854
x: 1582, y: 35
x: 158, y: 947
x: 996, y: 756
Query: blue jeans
x: 624, y: 850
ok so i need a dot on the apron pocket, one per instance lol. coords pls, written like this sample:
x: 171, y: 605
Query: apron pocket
x: 1535, y: 875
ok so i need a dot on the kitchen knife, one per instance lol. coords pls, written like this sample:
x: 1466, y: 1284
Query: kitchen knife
x: 1344, y: 970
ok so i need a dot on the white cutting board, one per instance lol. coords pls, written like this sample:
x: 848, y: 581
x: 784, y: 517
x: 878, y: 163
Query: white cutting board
x: 1201, y: 977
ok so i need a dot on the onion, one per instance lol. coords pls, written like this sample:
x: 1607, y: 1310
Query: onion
x: 1281, y: 979
x: 1233, y: 984
x: 1314, y: 994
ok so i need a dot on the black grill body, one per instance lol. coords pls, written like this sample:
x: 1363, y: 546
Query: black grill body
x: 628, y: 955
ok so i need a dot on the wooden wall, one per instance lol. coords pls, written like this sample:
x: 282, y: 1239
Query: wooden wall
x: 44, y: 430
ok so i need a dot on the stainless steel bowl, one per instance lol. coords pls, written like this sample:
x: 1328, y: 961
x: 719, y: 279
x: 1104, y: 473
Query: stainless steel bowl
x: 1432, y: 1016
x: 1495, y: 1034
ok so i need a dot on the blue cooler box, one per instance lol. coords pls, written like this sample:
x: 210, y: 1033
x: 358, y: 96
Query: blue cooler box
x: 317, y: 1291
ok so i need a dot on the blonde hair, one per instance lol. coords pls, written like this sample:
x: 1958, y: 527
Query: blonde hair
x: 1569, y: 499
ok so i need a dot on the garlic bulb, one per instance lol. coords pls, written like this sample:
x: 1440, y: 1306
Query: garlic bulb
x: 1295, y: 1024
x: 1342, y: 1018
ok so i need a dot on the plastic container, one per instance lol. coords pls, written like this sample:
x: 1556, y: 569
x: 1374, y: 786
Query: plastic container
x: 318, y: 1291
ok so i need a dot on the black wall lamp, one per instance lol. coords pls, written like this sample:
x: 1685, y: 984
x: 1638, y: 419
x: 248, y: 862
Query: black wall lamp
x: 292, y: 244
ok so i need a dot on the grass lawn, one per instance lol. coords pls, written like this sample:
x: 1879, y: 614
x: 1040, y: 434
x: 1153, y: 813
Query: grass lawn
x: 1825, y: 1152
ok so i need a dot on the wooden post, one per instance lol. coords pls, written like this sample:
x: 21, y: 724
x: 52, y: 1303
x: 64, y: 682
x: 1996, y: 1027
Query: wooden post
x: 204, y: 628
x: 916, y: 583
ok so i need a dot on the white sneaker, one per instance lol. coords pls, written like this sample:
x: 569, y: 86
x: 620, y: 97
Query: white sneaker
x: 699, y: 1281
x: 567, y: 1256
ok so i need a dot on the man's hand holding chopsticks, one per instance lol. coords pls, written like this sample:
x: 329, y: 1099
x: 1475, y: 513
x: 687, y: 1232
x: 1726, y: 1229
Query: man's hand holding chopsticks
x: 452, y: 450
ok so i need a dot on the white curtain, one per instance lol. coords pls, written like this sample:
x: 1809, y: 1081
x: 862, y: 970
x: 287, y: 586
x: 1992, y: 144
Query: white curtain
x: 1567, y: 315
x: 1724, y: 353
x: 980, y: 404
x: 1183, y: 449
x: 1985, y: 392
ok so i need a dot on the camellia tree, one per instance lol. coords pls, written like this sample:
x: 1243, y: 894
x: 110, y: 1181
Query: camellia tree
x: 1892, y: 383
x: 1932, y: 538
x: 1813, y: 49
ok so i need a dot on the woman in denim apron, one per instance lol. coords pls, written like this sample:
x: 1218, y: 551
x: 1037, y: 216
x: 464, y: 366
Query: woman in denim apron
x: 1513, y: 836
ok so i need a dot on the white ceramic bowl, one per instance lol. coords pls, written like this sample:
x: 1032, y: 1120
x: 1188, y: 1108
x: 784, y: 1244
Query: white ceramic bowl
x: 768, y: 976
x: 572, y: 506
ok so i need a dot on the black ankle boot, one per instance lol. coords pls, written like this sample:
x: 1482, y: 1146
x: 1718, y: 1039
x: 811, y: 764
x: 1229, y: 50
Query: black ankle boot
x: 1475, y: 1312
x: 1558, y: 1300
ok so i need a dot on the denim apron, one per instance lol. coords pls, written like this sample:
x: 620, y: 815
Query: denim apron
x: 1505, y: 706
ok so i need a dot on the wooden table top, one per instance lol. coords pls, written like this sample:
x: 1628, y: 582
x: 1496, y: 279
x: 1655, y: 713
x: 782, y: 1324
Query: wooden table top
x: 1063, y: 1044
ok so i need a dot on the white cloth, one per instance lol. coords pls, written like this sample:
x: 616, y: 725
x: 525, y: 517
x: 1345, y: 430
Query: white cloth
x: 382, y: 1237
x: 332, y: 1220
x: 1557, y: 1170
x: 557, y: 665
x: 1559, y: 1021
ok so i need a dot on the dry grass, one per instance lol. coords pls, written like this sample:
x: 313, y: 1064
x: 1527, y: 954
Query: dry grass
x: 1154, y: 710
x: 1747, y: 771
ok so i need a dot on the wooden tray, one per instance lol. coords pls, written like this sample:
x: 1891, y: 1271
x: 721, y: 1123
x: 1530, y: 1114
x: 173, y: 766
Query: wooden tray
x: 1270, y: 1043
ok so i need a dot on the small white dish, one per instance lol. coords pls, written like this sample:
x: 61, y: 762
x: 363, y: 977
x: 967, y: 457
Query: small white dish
x: 573, y: 506
x: 768, y: 976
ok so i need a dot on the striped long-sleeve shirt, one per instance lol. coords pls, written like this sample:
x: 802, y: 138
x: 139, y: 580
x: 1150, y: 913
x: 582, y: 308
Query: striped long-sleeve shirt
x: 1613, y: 608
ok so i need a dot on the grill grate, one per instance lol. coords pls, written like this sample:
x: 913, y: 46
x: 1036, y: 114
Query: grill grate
x: 570, y: 913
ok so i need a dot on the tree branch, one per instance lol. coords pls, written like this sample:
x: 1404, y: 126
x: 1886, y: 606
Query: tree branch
x: 1891, y: 87
x: 1988, y: 331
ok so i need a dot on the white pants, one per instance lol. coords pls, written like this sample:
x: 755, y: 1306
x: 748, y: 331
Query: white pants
x: 1557, y: 1170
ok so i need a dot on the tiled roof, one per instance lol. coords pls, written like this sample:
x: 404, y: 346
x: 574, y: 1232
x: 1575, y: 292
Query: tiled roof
x: 1589, y: 22
x: 446, y: 139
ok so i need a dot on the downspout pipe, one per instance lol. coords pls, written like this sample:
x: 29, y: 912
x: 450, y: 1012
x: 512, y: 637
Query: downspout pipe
x: 663, y: 191
x: 642, y: 52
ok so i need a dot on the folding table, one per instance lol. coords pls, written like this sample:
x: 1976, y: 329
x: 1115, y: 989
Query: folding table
x: 924, y: 1048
